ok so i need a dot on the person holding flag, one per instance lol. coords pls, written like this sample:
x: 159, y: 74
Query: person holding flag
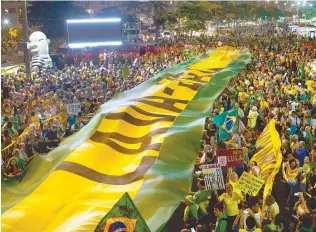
x: 227, y: 123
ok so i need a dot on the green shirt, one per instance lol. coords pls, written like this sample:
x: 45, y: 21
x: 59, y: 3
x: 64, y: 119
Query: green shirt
x: 16, y: 121
x: 304, y: 97
x: 191, y: 213
x: 20, y: 163
x: 201, y: 196
x: 221, y: 224
x: 309, y: 140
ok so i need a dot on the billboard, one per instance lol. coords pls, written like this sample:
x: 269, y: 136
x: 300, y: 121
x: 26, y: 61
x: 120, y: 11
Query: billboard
x: 94, y: 32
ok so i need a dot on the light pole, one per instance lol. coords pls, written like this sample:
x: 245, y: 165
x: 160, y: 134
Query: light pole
x: 25, y: 39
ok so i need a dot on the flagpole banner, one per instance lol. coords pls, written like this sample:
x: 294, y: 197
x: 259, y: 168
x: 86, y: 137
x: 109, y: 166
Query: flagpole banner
x: 269, y: 157
x: 229, y: 157
x: 143, y: 141
x: 249, y: 184
x: 213, y: 177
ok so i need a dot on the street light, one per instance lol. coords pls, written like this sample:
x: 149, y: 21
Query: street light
x: 6, y: 21
x: 310, y: 4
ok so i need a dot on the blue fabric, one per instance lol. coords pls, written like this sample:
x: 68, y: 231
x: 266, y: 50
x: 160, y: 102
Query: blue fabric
x: 71, y: 120
x: 301, y: 153
x: 293, y: 129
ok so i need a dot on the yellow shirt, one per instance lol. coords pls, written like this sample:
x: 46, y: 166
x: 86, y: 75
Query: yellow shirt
x: 264, y: 104
x: 309, y: 85
x: 235, y: 190
x: 293, y: 91
x: 230, y: 204
x: 242, y: 96
x: 256, y: 230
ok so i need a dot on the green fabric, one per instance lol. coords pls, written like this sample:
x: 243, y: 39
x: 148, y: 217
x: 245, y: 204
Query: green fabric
x: 20, y: 163
x: 127, y: 209
x: 227, y: 123
x: 201, y: 196
x: 302, y: 71
x: 304, y: 97
x: 170, y: 178
x: 309, y: 140
x: 176, y: 170
x: 191, y: 213
x: 306, y: 229
x: 221, y: 224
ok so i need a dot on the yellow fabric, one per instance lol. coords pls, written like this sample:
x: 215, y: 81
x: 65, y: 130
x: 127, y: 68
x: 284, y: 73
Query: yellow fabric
x: 235, y: 190
x: 256, y: 230
x: 230, y: 204
x: 129, y: 223
x: 69, y: 202
x: 242, y: 96
x: 269, y: 158
x: 309, y: 85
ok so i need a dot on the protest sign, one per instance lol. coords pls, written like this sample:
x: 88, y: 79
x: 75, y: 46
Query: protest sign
x: 230, y: 157
x: 73, y: 109
x: 213, y: 177
x: 249, y: 184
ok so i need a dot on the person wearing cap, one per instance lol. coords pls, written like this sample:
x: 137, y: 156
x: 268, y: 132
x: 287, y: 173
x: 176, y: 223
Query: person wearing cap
x: 190, y: 216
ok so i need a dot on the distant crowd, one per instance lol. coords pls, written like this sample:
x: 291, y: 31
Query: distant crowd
x: 27, y: 102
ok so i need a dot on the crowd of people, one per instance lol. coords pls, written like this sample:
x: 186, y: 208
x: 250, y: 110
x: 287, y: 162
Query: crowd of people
x: 35, y: 103
x: 9, y: 47
x: 278, y: 84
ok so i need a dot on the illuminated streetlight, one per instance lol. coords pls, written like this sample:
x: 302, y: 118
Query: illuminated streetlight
x: 310, y: 4
x: 6, y: 21
x: 276, y: 2
x: 292, y: 4
x: 285, y: 4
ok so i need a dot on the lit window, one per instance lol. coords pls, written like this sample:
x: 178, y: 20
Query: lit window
x: 89, y: 11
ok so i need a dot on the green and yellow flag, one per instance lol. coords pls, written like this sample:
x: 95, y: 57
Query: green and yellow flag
x: 269, y: 157
x: 143, y: 142
x: 227, y: 123
x: 124, y: 216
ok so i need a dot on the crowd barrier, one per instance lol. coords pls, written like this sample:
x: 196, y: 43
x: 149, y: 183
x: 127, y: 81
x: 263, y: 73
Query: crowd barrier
x: 62, y: 118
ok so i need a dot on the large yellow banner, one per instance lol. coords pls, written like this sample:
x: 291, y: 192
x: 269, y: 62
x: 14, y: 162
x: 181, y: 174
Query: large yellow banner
x: 77, y: 195
x: 269, y: 157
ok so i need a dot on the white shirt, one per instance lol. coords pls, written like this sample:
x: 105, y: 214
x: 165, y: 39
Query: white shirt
x: 23, y: 156
x: 296, y: 121
x: 293, y: 105
x: 246, y: 215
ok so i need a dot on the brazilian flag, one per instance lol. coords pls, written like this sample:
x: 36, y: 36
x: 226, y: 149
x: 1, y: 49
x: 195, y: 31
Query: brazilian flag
x: 227, y: 123
x: 124, y: 216
x: 302, y: 72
